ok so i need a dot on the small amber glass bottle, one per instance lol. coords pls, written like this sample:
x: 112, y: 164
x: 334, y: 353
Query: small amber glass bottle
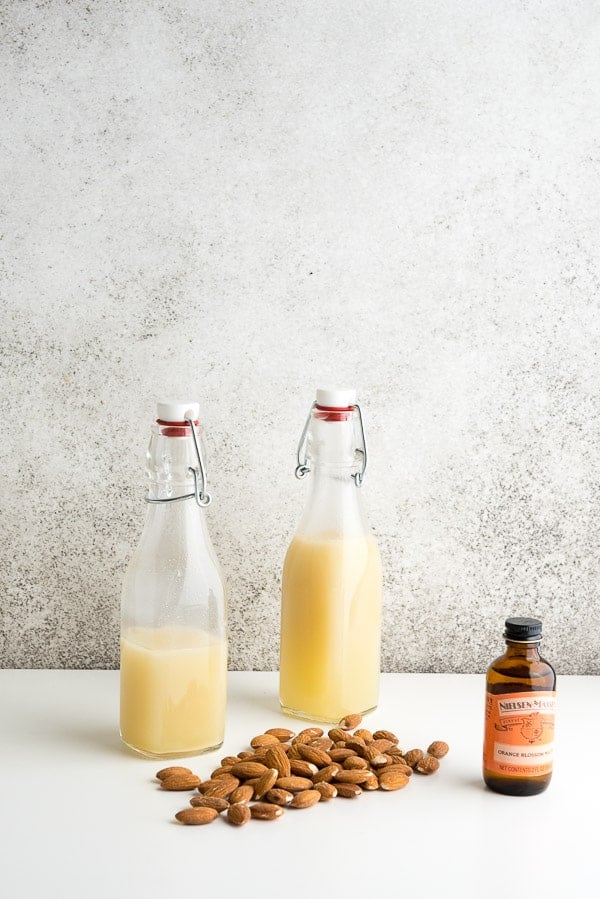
x: 519, y: 714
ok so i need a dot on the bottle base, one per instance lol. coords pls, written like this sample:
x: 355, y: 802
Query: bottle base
x: 164, y: 756
x: 516, y: 786
x: 322, y: 719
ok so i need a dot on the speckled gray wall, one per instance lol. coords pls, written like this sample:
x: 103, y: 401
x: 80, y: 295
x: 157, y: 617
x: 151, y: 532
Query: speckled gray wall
x: 239, y: 201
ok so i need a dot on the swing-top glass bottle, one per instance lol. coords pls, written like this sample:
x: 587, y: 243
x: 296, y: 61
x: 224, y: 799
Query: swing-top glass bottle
x: 332, y: 583
x: 173, y: 611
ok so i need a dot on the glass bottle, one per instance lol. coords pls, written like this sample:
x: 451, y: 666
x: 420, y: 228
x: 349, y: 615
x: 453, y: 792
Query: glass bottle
x: 519, y: 714
x: 332, y: 584
x: 173, y: 609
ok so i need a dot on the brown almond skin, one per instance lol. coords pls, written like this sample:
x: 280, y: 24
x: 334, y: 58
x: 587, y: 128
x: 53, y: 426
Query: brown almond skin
x: 247, y: 769
x: 201, y: 815
x: 383, y: 745
x: 400, y: 767
x: 265, y: 782
x: 221, y: 786
x: 238, y: 814
x: 294, y: 784
x: 282, y: 733
x: 230, y: 760
x: 327, y: 790
x: 293, y: 752
x: 321, y: 743
x: 308, y: 734
x: 219, y: 805
x: 276, y: 757
x: 427, y: 765
x: 326, y: 775
x: 180, y: 782
x: 349, y: 722
x: 352, y: 777
x: 438, y: 749
x: 265, y: 811
x: 385, y: 735
x: 338, y: 735
x: 314, y: 756
x: 302, y: 768
x: 363, y: 734
x: 222, y: 771
x: 279, y: 797
x: 413, y: 756
x: 372, y: 783
x: 305, y: 799
x: 174, y: 770
x: 263, y: 740
x: 354, y: 762
x: 341, y: 753
x: 348, y: 791
x: 392, y: 780
x: 243, y: 793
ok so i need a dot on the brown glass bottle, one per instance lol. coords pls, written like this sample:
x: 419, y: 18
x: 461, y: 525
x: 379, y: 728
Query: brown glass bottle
x: 519, y: 714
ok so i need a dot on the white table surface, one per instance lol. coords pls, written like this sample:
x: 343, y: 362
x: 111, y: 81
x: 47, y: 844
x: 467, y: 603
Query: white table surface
x: 82, y: 817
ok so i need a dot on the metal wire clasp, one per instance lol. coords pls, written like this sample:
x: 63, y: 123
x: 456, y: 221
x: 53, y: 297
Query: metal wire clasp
x: 200, y: 494
x: 303, y: 467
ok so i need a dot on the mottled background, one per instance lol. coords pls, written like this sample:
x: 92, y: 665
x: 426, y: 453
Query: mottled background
x: 239, y: 201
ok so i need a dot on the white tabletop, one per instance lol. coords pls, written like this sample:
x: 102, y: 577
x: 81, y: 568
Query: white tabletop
x: 82, y: 817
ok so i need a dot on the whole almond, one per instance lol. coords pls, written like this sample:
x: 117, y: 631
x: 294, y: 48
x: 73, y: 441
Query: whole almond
x: 230, y: 760
x: 180, y: 782
x: 374, y: 756
x: 276, y: 757
x: 427, y: 765
x: 305, y: 799
x: 352, y: 777
x: 372, y: 781
x: 438, y: 749
x: 338, y: 735
x: 219, y: 805
x: 354, y: 762
x: 238, y: 814
x: 357, y: 745
x: 400, y: 767
x: 392, y: 780
x: 348, y: 791
x: 308, y: 734
x: 265, y: 811
x: 293, y: 753
x: 385, y: 735
x: 382, y: 745
x: 279, y: 797
x: 174, y: 770
x: 317, y: 757
x: 349, y: 722
x: 413, y: 756
x: 301, y: 768
x: 245, y: 755
x: 341, y: 754
x: 265, y: 782
x: 325, y: 775
x: 219, y: 772
x: 244, y: 793
x: 294, y: 784
x: 247, y: 769
x: 202, y: 815
x: 282, y: 733
x: 362, y: 734
x: 221, y: 786
x: 263, y: 740
x: 327, y: 791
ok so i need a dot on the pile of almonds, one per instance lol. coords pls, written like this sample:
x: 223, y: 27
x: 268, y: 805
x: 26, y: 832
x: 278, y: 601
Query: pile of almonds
x: 283, y: 769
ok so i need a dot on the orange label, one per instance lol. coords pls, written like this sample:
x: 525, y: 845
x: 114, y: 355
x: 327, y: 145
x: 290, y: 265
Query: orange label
x: 519, y: 733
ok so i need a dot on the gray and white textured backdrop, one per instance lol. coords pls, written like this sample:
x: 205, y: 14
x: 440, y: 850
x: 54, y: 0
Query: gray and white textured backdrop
x: 239, y: 200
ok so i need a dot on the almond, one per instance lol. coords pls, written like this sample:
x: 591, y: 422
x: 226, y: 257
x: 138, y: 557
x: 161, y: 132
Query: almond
x: 357, y: 745
x: 427, y: 765
x: 326, y: 790
x: 263, y: 740
x: 265, y: 782
x: 201, y: 815
x: 338, y: 735
x: 230, y: 760
x: 438, y: 749
x: 305, y: 799
x: 383, y: 745
x: 400, y: 767
x: 294, y: 784
x: 385, y: 735
x: 348, y: 791
x: 238, y: 814
x: 362, y: 734
x: 219, y: 805
x: 352, y: 777
x: 413, y: 756
x: 222, y: 787
x: 321, y: 743
x: 247, y: 769
x: 350, y: 722
x: 245, y: 755
x: 293, y: 753
x: 302, y: 768
x: 282, y: 733
x: 219, y: 772
x: 279, y: 797
x: 172, y: 772
x: 276, y: 757
x: 180, y: 782
x: 308, y: 734
x: 392, y: 780
x: 325, y: 775
x: 265, y: 811
x: 374, y: 756
x: 244, y: 793
x: 372, y: 782
x: 341, y: 754
x: 315, y: 756
x: 354, y: 762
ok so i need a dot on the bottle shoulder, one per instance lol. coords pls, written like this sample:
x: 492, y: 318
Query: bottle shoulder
x: 517, y: 673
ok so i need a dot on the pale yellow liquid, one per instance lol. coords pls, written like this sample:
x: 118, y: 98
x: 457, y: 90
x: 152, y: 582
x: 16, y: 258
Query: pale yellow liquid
x: 330, y: 627
x: 173, y: 690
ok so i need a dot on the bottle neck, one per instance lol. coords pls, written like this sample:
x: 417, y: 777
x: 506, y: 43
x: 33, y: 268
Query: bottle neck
x: 529, y: 651
x: 170, y: 457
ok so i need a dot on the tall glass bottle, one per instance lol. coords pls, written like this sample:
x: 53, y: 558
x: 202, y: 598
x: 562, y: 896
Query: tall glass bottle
x: 332, y: 584
x: 173, y: 609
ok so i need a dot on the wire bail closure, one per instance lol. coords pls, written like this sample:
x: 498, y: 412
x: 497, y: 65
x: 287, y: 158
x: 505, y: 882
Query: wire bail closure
x: 200, y: 494
x: 303, y: 467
